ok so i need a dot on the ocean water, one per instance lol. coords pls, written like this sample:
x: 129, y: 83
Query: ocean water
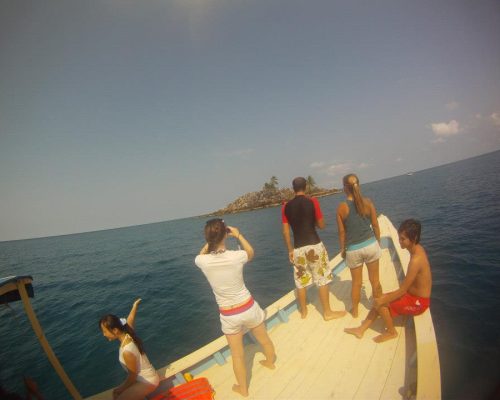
x: 77, y: 278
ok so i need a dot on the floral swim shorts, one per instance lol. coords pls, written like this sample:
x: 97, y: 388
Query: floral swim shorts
x: 311, y: 266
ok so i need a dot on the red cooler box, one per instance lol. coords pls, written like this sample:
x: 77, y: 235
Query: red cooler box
x: 197, y: 389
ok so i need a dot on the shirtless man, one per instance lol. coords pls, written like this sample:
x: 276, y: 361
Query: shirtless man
x: 413, y: 296
x: 308, y: 254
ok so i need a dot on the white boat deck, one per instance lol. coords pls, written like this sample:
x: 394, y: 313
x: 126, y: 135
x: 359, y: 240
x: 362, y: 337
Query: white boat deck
x: 317, y: 360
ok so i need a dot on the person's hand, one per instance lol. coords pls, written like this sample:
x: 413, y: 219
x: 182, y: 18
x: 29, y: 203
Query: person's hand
x: 233, y: 231
x: 204, y: 249
x: 136, y: 303
x: 290, y: 256
x: 378, y: 301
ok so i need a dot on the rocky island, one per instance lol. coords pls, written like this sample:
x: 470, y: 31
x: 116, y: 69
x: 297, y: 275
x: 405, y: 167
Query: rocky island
x: 270, y: 196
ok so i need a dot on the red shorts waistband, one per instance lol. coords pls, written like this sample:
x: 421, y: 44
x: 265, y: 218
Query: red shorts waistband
x: 239, y: 309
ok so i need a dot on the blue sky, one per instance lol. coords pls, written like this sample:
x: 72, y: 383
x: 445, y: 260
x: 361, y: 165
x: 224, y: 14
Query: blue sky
x: 119, y: 112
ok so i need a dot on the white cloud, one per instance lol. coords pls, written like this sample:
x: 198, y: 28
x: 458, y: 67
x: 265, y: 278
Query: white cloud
x: 446, y: 129
x: 452, y: 105
x: 317, y: 164
x: 495, y: 118
x: 339, y: 169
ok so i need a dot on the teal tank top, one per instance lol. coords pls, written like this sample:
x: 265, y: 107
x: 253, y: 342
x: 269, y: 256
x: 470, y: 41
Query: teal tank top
x: 357, y: 228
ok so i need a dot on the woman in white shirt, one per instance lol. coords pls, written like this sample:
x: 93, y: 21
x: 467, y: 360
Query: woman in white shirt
x: 239, y: 312
x: 142, y: 378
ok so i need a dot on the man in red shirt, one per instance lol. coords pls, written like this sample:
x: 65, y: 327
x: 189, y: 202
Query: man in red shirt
x: 308, y: 254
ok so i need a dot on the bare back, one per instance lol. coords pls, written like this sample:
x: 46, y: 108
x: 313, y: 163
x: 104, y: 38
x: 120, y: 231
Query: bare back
x: 421, y: 285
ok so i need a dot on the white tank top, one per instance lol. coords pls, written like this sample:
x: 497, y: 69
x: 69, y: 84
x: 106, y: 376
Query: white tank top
x: 145, y: 371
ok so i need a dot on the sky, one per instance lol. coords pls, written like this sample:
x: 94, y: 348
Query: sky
x: 117, y: 112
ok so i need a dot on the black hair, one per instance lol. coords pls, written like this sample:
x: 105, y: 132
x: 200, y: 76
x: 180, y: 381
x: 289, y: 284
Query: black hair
x: 299, y: 184
x: 412, y: 229
x: 111, y: 322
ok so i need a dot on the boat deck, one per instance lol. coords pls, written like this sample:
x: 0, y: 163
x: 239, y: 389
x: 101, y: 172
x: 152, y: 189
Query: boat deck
x: 317, y: 360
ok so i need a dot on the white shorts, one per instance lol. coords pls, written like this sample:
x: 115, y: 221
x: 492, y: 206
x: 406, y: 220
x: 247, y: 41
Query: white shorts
x: 365, y: 255
x: 232, y: 324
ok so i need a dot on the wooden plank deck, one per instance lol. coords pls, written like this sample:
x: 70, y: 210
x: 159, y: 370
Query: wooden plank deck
x: 317, y: 360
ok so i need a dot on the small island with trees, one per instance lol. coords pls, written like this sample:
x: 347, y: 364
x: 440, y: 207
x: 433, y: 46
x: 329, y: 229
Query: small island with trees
x: 271, y: 196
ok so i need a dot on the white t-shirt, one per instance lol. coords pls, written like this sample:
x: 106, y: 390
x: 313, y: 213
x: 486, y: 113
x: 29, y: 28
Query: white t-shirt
x: 145, y: 371
x: 224, y: 272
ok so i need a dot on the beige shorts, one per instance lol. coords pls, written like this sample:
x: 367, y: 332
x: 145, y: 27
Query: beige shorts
x: 365, y: 255
x: 242, y: 322
x: 311, y: 266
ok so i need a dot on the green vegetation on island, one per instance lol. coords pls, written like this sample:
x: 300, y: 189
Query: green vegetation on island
x: 271, y: 196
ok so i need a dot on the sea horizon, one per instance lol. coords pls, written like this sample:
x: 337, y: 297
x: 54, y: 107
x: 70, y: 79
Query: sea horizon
x: 207, y: 214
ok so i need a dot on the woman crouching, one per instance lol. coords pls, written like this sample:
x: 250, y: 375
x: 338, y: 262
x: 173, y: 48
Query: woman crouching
x: 238, y: 310
x: 142, y: 378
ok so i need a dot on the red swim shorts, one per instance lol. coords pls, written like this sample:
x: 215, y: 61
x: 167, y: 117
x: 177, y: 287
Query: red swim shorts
x: 409, y: 305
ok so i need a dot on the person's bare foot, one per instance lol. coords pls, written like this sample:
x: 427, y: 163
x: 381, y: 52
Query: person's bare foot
x: 267, y: 363
x: 354, y: 312
x: 333, y: 315
x: 358, y: 332
x: 303, y: 313
x: 385, y: 337
x: 238, y: 389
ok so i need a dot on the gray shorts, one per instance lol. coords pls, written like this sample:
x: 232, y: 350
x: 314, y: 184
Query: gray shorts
x: 365, y: 255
